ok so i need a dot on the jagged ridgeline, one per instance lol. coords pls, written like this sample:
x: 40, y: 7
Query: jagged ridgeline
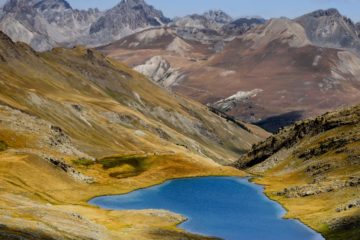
x: 313, y: 168
x: 45, y: 24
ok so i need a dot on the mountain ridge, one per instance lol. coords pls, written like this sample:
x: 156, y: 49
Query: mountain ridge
x: 54, y: 23
x: 277, y: 51
x: 75, y: 124
x: 329, y: 28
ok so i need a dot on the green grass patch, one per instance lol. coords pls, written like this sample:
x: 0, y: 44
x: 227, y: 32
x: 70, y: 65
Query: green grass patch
x: 137, y: 162
x: 83, y: 162
x: 3, y: 146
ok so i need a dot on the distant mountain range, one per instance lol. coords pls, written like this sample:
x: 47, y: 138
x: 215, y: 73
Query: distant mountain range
x: 269, y: 73
x: 48, y: 23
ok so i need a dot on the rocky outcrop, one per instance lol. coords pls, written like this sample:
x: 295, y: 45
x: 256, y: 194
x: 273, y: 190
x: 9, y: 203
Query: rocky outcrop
x: 241, y: 26
x: 70, y: 170
x: 231, y: 102
x: 329, y: 28
x: 319, y: 188
x: 290, y: 136
x: 160, y: 71
x: 212, y: 20
x: 349, y: 206
x: 205, y: 28
x: 344, y: 224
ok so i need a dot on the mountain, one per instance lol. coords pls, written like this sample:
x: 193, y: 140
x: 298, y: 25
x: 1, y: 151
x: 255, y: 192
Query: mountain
x: 50, y: 23
x: 328, y: 28
x: 313, y: 169
x: 212, y: 26
x: 75, y: 125
x: 271, y: 75
x: 241, y: 25
x: 213, y: 19
x: 47, y: 23
x: 125, y: 18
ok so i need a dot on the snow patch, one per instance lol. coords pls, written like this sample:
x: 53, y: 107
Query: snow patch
x: 227, y: 73
x: 316, y: 60
x: 229, y: 103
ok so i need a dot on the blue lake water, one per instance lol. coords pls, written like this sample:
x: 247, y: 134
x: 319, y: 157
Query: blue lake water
x: 225, y: 207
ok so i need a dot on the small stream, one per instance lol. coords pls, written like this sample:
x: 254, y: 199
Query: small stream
x: 226, y: 207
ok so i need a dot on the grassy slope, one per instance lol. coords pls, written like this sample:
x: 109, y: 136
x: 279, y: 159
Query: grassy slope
x: 313, y: 169
x: 74, y: 125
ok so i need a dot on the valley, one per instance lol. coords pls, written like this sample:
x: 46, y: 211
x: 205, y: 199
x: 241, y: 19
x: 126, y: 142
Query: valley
x: 128, y: 104
x: 75, y: 125
x: 306, y: 80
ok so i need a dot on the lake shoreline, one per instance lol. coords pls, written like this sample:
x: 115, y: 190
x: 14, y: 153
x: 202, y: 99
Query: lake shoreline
x: 250, y: 182
x: 253, y: 180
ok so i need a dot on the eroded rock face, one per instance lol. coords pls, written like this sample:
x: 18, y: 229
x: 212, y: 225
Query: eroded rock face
x: 125, y: 18
x: 209, y: 20
x: 45, y: 24
x: 329, y: 28
x: 292, y: 135
x: 48, y: 23
x: 160, y: 71
x: 241, y: 25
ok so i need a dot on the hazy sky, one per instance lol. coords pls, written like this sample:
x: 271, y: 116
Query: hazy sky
x: 238, y: 8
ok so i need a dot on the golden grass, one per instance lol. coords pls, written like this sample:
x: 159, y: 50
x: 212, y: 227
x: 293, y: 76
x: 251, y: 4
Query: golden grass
x: 316, y: 211
x: 88, y: 97
x: 31, y: 177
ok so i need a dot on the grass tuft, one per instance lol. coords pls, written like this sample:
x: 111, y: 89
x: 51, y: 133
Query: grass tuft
x: 83, y: 162
x: 3, y: 146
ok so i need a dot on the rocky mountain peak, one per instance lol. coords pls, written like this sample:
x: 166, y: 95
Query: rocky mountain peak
x: 218, y: 16
x: 26, y: 6
x: 242, y: 25
x: 16, y: 5
x: 132, y: 3
x: 52, y: 4
x: 328, y: 12
x: 331, y: 29
x: 126, y: 18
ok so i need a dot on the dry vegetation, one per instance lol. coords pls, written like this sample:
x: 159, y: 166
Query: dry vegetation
x: 312, y: 168
x: 75, y: 125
